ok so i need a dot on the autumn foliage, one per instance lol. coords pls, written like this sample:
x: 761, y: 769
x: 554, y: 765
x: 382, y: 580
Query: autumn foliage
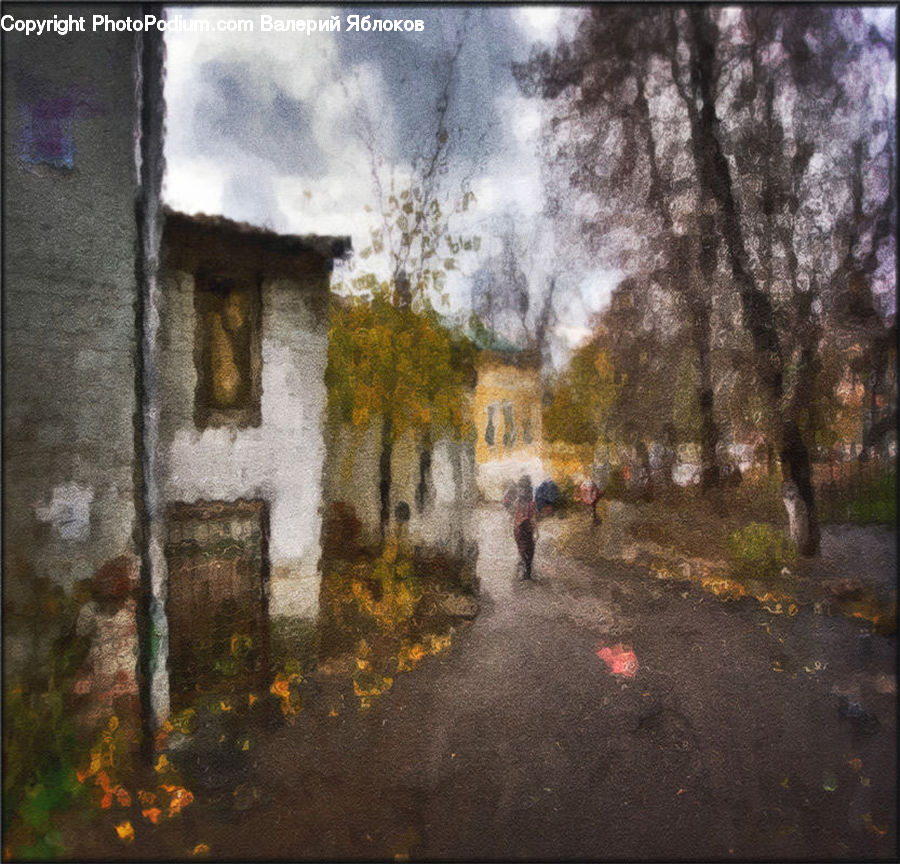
x: 386, y: 362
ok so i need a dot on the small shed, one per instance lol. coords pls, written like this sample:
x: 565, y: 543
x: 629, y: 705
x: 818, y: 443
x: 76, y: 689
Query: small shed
x: 242, y: 345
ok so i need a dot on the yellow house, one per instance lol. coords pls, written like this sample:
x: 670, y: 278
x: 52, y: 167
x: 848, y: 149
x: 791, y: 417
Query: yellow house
x: 506, y: 412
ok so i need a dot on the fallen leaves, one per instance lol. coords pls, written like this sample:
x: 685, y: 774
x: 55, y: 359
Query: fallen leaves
x: 722, y: 587
x: 872, y: 827
x: 283, y: 687
x: 125, y: 831
x: 180, y: 798
x: 153, y: 814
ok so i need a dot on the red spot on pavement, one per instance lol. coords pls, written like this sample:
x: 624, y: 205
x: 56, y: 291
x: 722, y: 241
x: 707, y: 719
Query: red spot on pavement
x: 620, y: 659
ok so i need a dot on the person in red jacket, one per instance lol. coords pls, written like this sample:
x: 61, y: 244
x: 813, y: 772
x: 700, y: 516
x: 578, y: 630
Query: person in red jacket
x: 524, y: 517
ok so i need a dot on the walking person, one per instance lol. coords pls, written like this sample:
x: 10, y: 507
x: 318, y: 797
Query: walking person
x: 590, y: 495
x: 524, y: 517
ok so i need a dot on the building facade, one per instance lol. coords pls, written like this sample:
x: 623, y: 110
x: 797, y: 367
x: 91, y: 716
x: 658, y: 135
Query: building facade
x: 164, y: 388
x: 506, y: 412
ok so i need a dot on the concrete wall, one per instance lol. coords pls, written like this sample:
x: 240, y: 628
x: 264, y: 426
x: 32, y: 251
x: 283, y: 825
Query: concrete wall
x: 352, y: 476
x: 279, y: 461
x: 69, y: 310
x: 450, y: 493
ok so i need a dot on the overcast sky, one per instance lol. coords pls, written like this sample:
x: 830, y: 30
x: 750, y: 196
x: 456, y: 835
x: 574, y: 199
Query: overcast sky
x: 261, y: 126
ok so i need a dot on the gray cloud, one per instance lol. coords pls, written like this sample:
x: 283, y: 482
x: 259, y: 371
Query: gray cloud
x: 235, y: 109
x: 413, y: 68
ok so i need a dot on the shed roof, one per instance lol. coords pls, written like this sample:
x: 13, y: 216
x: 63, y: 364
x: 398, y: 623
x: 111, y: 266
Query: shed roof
x: 228, y: 233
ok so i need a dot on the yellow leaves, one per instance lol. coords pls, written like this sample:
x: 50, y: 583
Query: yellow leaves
x: 439, y: 643
x: 722, y: 587
x: 125, y: 831
x: 369, y: 685
x: 200, y: 849
x: 240, y: 644
x: 409, y: 656
x: 290, y: 702
x: 184, y: 722
x: 108, y: 792
x: 162, y: 736
x: 112, y: 792
x: 383, y: 361
x: 374, y: 689
x: 180, y: 798
x: 281, y: 687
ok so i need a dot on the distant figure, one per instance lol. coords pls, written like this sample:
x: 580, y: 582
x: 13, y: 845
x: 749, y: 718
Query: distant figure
x: 524, y: 516
x: 510, y: 497
x: 396, y: 544
x: 545, y: 497
x: 590, y: 494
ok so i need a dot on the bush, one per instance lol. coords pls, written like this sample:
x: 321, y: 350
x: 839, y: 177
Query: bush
x: 760, y: 551
x: 40, y: 757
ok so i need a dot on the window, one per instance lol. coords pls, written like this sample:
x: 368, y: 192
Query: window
x: 509, y: 425
x: 489, y: 430
x: 47, y: 132
x: 527, y: 435
x: 227, y: 353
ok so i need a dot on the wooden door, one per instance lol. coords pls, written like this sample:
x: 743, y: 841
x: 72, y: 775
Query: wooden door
x: 216, y: 606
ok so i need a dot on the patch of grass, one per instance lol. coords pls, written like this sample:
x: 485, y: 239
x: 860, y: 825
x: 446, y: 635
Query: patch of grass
x: 697, y: 524
x: 760, y: 551
x: 869, y: 500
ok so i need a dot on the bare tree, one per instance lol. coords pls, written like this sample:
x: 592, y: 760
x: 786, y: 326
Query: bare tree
x: 609, y: 74
x: 511, y: 294
x: 744, y: 90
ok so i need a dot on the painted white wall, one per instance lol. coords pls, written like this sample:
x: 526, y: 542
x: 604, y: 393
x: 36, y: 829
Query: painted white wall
x: 279, y: 461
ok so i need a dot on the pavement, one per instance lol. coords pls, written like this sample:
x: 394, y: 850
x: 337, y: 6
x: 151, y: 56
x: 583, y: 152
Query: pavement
x: 742, y: 735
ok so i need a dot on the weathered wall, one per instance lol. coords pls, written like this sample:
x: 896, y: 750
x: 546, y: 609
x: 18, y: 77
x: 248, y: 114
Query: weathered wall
x: 444, y: 520
x: 280, y: 461
x: 69, y: 317
x: 352, y: 476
